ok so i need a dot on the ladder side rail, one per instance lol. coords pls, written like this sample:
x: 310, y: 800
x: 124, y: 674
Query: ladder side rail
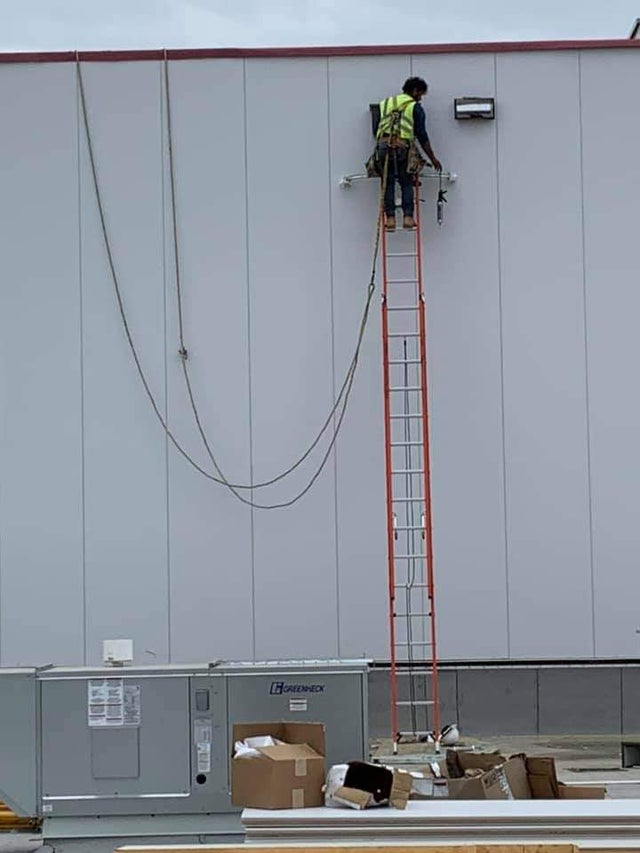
x: 389, y: 488
x: 428, y: 521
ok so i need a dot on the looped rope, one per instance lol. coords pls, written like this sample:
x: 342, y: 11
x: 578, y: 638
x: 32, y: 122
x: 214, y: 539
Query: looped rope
x: 344, y: 393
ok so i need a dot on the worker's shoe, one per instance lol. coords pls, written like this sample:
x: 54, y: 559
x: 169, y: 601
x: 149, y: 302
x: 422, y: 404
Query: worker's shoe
x: 408, y: 223
x: 390, y: 223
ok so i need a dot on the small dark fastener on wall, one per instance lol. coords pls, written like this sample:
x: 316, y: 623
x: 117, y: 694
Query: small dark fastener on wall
x: 474, y: 108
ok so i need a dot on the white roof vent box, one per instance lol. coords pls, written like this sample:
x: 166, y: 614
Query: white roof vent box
x: 117, y: 652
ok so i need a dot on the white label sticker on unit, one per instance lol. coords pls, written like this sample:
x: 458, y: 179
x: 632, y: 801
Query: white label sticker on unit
x: 111, y: 703
x: 298, y: 704
x: 46, y: 808
x: 202, y: 731
x: 131, y: 705
x: 105, y: 699
x: 204, y: 757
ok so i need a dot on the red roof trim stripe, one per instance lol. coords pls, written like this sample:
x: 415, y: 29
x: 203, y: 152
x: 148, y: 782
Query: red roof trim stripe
x: 292, y: 52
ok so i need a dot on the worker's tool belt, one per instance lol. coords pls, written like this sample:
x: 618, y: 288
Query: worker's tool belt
x: 375, y: 166
x: 395, y: 141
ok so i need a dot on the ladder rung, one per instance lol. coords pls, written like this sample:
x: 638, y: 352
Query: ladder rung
x: 416, y: 734
x: 403, y: 335
x: 414, y: 643
x: 406, y: 417
x: 409, y: 556
x: 403, y: 308
x: 409, y: 527
x: 402, y: 281
x: 406, y: 444
x: 410, y: 615
x: 404, y: 361
x: 401, y: 254
x: 405, y: 388
x: 419, y: 499
x: 409, y: 471
x: 414, y: 671
x: 408, y: 587
x: 421, y: 702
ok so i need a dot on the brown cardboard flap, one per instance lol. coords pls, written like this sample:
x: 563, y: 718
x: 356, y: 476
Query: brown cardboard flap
x: 479, y: 760
x: 581, y: 792
x: 289, y: 733
x: 400, y: 789
x: 542, y: 778
x: 466, y: 789
x: 517, y: 777
x: 541, y: 788
x: 359, y: 799
x: 288, y: 752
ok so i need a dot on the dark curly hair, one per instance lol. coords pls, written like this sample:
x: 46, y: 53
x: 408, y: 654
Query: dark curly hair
x: 413, y: 84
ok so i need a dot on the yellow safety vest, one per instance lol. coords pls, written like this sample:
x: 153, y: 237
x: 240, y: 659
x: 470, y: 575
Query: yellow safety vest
x: 396, y: 117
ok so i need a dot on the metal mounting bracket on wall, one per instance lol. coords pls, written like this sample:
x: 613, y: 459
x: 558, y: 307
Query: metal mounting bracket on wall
x: 347, y: 181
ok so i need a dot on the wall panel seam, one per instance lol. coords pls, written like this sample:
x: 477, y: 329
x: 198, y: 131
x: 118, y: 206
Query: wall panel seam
x: 586, y: 358
x: 249, y: 363
x: 82, y: 400
x: 333, y: 357
x: 501, y: 336
x: 163, y: 195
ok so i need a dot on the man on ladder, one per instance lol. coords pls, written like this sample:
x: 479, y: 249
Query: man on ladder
x: 402, y: 121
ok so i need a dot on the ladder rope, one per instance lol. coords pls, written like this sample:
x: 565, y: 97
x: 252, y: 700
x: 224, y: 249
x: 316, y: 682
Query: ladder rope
x: 345, y: 392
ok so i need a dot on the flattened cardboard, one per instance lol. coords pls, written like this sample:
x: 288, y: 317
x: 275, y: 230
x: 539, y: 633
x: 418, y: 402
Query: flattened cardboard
x: 281, y: 777
x: 581, y: 792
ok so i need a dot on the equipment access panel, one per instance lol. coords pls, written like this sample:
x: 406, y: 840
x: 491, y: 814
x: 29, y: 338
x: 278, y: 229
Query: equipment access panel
x: 133, y: 741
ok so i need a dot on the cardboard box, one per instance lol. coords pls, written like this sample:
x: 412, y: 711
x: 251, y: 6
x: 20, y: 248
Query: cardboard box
x: 281, y: 777
x: 507, y: 781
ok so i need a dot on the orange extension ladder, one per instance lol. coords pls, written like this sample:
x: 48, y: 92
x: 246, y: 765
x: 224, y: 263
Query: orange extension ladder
x: 412, y: 616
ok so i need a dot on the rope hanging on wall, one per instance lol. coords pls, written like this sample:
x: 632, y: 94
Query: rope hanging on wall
x: 340, y: 405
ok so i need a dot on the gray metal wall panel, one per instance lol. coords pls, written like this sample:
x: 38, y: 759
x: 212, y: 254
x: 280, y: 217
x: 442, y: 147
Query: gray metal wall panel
x: 631, y: 700
x: 291, y: 352
x: 612, y: 211
x: 124, y: 446
x: 362, y: 543
x: 292, y: 191
x: 209, y: 530
x: 579, y: 700
x: 40, y: 428
x: 501, y: 701
x: 463, y: 326
x: 380, y: 700
x: 548, y: 539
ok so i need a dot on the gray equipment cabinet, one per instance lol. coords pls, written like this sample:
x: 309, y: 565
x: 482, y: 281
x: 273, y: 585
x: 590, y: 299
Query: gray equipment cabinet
x: 145, y: 751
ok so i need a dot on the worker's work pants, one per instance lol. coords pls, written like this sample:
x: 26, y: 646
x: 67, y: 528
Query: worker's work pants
x: 397, y: 171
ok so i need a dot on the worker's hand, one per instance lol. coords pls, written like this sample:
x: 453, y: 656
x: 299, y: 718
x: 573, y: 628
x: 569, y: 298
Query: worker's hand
x: 437, y: 165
